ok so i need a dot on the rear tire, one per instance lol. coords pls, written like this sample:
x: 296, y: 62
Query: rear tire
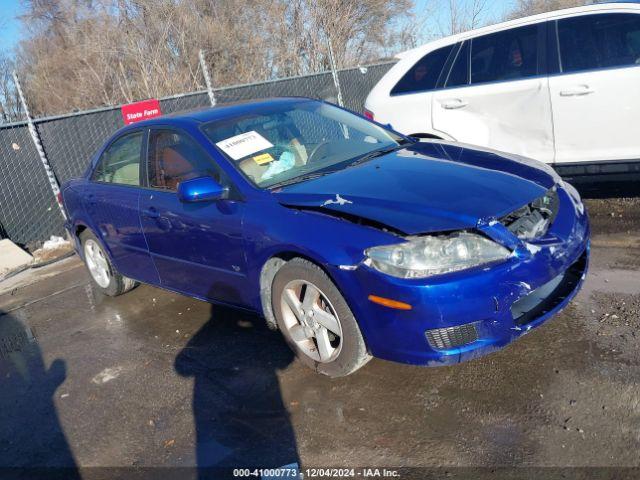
x: 316, y: 321
x: 104, y: 276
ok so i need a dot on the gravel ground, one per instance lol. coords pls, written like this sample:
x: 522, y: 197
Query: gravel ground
x: 615, y: 216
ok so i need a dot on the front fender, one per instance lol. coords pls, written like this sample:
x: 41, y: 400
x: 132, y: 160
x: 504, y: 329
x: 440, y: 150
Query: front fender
x: 322, y: 238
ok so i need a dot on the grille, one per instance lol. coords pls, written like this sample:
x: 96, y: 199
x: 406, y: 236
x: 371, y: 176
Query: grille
x: 533, y: 220
x: 451, y: 337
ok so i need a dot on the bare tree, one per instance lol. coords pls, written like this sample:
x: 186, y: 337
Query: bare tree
x: 85, y: 53
x: 10, y: 109
x: 463, y: 15
x: 355, y: 28
x: 524, y: 8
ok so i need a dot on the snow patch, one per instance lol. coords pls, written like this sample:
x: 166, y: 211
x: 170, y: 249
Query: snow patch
x: 107, y: 375
x: 54, y: 242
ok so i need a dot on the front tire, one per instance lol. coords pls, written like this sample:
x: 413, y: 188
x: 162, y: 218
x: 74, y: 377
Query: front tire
x: 104, y: 276
x: 316, y: 321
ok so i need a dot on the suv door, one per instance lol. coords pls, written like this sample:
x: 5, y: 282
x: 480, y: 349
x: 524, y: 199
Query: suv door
x: 596, y: 98
x: 111, y: 201
x: 410, y: 105
x: 196, y: 247
x: 496, y: 94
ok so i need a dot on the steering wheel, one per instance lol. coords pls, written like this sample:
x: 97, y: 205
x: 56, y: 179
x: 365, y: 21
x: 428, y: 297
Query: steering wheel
x: 316, y: 149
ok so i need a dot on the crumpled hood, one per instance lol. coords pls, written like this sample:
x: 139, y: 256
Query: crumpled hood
x: 426, y: 187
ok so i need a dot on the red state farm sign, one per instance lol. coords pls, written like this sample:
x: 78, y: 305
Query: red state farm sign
x: 136, y: 112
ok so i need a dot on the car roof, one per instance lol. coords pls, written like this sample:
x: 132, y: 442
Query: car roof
x: 565, y: 12
x: 208, y: 114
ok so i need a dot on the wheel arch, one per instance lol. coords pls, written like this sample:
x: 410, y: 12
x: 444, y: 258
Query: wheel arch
x: 268, y: 271
x: 78, y: 229
x: 81, y: 227
x: 74, y: 233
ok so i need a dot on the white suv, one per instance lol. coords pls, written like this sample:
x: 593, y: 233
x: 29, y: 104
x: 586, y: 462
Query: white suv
x: 562, y: 87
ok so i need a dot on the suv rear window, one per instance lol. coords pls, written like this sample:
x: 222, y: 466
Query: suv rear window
x: 424, y: 74
x: 599, y: 41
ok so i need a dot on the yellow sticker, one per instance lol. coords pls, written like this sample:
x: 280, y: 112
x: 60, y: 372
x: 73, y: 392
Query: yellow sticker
x: 263, y: 158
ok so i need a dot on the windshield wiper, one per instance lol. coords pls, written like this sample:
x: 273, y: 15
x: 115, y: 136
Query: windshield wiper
x: 300, y: 178
x: 367, y: 156
x: 377, y: 153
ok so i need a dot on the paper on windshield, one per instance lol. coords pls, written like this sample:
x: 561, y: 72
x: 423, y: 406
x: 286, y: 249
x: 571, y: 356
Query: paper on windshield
x: 240, y: 146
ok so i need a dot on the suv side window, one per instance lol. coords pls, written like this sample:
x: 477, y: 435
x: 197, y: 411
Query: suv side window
x: 599, y: 41
x: 424, y: 74
x: 459, y: 74
x: 508, y: 55
x: 120, y: 162
x: 174, y: 157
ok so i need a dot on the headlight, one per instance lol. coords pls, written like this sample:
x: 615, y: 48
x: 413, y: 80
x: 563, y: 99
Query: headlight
x: 422, y: 257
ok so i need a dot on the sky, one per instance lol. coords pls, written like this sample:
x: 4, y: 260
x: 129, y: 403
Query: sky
x: 436, y: 10
x: 436, y: 13
x: 9, y: 25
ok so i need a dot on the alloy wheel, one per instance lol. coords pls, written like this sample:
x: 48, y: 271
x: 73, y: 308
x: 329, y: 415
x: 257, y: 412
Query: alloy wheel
x: 311, y: 321
x: 97, y: 263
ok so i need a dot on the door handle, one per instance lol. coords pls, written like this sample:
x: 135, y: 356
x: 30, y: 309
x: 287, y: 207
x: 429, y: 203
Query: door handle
x: 453, y: 103
x: 576, y: 91
x: 151, y: 212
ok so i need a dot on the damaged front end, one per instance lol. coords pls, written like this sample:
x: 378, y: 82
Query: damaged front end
x: 533, y: 220
x: 462, y: 314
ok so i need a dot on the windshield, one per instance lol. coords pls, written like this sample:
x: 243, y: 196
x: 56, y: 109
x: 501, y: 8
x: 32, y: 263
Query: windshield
x: 289, y: 142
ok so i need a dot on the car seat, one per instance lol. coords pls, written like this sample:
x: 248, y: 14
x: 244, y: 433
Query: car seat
x: 170, y: 162
x: 127, y: 175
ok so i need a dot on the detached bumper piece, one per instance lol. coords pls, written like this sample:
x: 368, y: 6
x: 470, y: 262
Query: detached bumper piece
x: 547, y: 297
x: 452, y: 337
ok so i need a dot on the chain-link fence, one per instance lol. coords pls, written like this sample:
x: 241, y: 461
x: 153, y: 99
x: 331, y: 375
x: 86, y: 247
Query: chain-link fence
x: 28, y: 210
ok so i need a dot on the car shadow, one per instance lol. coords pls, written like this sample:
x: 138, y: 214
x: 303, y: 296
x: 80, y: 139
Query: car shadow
x: 239, y: 415
x: 32, y: 441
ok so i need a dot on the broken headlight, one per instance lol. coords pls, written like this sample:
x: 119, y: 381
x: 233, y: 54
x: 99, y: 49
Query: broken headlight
x: 422, y: 257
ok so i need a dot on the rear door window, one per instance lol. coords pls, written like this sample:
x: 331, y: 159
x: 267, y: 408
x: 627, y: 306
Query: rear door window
x: 508, y: 55
x: 174, y: 157
x: 120, y: 162
x: 604, y: 40
x: 423, y: 76
x: 459, y: 74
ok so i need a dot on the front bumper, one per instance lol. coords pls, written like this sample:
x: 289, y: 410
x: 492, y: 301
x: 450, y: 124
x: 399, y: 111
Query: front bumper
x: 482, y: 296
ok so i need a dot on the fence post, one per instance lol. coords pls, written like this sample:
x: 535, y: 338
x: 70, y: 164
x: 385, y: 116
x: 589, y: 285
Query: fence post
x: 207, y: 78
x: 53, y: 181
x: 334, y: 71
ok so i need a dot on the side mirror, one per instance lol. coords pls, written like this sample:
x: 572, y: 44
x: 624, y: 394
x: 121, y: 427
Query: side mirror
x: 201, y: 189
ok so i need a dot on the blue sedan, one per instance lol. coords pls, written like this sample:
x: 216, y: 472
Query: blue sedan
x: 351, y: 239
